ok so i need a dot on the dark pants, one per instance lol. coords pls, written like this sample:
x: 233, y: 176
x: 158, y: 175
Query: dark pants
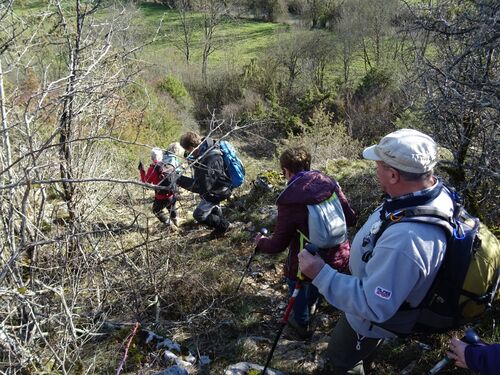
x: 160, y: 204
x: 210, y: 214
x: 347, y: 350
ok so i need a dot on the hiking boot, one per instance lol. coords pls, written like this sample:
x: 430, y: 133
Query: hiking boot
x: 221, y: 232
x: 300, y: 330
x: 169, y: 227
x: 217, y: 233
x: 217, y: 211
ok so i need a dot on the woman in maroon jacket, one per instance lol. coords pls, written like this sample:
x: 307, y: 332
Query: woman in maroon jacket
x: 304, y: 187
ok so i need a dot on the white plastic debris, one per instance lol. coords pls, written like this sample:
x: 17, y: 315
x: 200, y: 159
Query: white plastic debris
x: 169, y: 356
x: 169, y: 344
x: 189, y: 358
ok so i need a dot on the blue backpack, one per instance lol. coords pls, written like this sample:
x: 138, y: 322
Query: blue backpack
x: 233, y: 164
x: 170, y: 158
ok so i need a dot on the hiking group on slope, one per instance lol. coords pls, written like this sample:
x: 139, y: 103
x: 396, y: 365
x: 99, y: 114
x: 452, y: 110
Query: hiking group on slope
x: 210, y: 180
x: 380, y: 280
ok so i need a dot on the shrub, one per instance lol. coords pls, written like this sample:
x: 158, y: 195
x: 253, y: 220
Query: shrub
x: 175, y: 88
x: 375, y: 106
x: 324, y: 139
x: 374, y: 82
x: 222, y: 89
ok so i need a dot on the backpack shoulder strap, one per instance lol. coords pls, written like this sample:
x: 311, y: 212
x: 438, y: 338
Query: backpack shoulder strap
x: 419, y: 214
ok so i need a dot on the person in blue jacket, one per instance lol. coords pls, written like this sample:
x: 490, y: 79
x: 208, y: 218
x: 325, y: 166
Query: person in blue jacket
x: 482, y: 358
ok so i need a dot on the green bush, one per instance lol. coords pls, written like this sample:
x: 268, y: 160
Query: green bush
x: 175, y: 88
x: 325, y: 139
x: 374, y: 82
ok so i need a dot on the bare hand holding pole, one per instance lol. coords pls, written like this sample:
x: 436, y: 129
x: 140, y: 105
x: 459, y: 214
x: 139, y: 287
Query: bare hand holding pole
x: 310, y: 264
x: 470, y: 337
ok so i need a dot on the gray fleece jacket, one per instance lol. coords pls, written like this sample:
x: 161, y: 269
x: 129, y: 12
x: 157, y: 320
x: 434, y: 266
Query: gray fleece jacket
x: 403, y: 266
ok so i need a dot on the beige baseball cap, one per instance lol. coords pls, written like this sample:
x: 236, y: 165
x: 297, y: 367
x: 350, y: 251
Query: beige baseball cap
x: 406, y: 149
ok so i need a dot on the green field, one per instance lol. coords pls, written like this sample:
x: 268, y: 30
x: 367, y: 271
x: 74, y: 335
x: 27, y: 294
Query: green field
x: 235, y: 40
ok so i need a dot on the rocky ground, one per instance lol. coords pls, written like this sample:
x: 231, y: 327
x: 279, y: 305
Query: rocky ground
x: 200, y: 324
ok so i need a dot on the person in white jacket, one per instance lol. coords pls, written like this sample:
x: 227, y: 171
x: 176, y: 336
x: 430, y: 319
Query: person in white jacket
x: 391, y: 270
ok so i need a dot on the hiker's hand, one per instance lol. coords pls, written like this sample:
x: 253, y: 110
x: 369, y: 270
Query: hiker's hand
x: 457, y: 352
x: 309, y: 264
x: 141, y: 166
x: 258, y: 237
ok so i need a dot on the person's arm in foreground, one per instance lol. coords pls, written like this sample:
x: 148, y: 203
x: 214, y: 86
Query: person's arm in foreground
x: 375, y: 297
x: 283, y: 234
x: 484, y: 359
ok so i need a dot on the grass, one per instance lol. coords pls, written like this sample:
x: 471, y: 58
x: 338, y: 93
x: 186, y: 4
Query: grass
x: 236, y: 41
x: 233, y: 37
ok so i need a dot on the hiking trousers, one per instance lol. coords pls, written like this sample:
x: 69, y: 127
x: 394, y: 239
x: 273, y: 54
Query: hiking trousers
x: 210, y: 214
x: 160, y: 204
x: 308, y: 296
x: 347, y: 349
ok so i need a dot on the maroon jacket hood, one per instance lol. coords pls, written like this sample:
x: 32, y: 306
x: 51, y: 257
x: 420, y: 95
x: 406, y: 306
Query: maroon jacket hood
x: 310, y: 187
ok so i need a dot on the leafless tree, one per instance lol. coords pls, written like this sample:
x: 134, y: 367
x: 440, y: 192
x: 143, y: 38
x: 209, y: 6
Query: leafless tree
x: 213, y: 14
x: 320, y: 12
x: 267, y: 10
x: 320, y: 56
x: 64, y: 71
x: 348, y: 38
x: 461, y: 80
x: 184, y: 42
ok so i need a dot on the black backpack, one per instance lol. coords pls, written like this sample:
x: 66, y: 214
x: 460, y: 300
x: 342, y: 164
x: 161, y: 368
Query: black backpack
x: 167, y: 176
x: 467, y: 282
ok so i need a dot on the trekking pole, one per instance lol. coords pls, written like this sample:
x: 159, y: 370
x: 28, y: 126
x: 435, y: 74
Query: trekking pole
x: 263, y: 231
x: 313, y: 249
x: 470, y: 337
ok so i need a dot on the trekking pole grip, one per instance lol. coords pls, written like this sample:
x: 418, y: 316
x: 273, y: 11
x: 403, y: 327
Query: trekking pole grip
x: 470, y: 337
x: 311, y: 248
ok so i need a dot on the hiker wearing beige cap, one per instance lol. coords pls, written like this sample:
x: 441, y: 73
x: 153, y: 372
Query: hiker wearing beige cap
x: 392, y: 266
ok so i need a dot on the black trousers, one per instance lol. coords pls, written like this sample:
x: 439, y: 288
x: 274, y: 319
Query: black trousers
x: 210, y: 214
x: 160, y: 204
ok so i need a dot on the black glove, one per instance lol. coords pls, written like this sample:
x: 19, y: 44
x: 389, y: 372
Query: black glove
x: 141, y: 166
